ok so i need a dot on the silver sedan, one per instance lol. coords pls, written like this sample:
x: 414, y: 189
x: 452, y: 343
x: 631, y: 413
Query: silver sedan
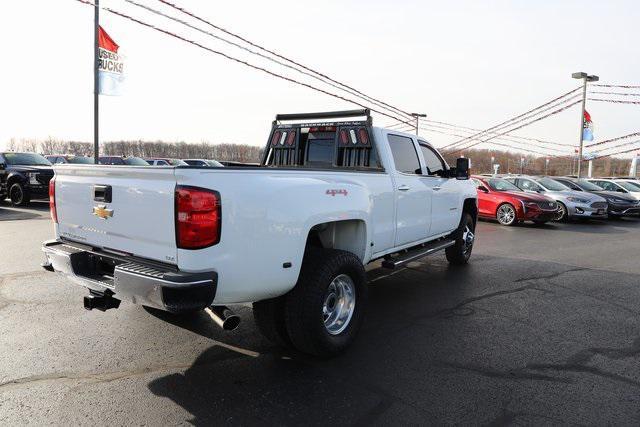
x: 573, y: 204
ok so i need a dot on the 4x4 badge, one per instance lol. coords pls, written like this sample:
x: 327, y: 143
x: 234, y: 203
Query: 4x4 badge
x: 102, y: 212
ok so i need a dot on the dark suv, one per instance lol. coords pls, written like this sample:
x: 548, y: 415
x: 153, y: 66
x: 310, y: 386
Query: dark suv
x: 27, y: 176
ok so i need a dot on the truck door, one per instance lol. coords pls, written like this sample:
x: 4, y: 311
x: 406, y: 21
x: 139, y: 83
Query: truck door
x: 445, y: 199
x: 412, y: 195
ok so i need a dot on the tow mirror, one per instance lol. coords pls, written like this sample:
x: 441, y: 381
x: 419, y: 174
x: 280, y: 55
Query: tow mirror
x: 2, y: 166
x: 463, y: 165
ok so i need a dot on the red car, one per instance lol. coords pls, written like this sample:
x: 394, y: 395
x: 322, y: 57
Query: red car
x: 499, y: 199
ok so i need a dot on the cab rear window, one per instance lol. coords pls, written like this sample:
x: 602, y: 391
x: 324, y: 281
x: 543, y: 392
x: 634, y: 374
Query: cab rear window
x: 322, y: 147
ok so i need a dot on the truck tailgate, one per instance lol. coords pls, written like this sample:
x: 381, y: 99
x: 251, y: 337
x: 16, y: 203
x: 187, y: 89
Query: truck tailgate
x: 122, y: 208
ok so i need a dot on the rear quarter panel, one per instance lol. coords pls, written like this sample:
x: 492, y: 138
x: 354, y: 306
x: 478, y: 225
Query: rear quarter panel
x: 267, y: 215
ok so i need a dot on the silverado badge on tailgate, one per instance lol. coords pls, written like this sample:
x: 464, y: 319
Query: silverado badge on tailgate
x: 102, y: 212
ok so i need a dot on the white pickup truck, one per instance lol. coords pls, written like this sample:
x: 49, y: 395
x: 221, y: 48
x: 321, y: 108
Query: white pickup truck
x: 291, y: 236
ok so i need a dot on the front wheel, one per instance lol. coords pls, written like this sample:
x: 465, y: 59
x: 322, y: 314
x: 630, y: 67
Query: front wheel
x: 19, y: 195
x: 506, y: 214
x: 325, y: 310
x: 563, y: 213
x: 459, y: 253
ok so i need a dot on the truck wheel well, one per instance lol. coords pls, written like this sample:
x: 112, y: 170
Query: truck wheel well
x: 471, y: 207
x: 13, y: 179
x: 348, y: 235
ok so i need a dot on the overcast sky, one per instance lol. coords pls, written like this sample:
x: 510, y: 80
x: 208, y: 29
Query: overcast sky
x: 472, y: 63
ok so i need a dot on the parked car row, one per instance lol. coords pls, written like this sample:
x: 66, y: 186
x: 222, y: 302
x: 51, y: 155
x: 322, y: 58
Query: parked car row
x: 26, y: 176
x: 512, y: 199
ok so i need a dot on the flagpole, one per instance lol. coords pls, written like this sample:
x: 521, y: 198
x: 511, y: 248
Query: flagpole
x: 585, y: 78
x: 584, y: 101
x: 96, y: 88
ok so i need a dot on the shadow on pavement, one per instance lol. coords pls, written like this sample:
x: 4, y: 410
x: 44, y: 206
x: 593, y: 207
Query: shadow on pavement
x: 440, y: 345
x: 35, y: 210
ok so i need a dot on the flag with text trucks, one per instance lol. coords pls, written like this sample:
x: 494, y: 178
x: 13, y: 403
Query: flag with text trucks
x: 110, y: 66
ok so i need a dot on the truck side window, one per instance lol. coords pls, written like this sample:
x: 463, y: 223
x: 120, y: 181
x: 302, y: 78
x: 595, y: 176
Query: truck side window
x: 405, y: 157
x: 435, y: 165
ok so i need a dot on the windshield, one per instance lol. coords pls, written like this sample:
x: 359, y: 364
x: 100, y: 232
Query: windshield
x: 26, y: 159
x: 135, y: 161
x: 628, y: 186
x: 214, y: 163
x: 552, y: 185
x: 80, y: 160
x: 587, y: 186
x: 498, y: 184
x: 177, y: 162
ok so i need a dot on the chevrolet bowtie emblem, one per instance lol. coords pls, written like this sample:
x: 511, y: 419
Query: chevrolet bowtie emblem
x: 102, y: 212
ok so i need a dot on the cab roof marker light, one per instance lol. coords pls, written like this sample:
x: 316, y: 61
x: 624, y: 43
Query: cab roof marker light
x: 352, y: 134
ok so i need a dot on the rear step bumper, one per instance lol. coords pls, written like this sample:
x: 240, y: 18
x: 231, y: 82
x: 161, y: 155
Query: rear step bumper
x: 132, y: 279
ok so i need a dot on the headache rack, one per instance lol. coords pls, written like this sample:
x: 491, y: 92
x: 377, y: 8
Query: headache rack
x: 320, y: 141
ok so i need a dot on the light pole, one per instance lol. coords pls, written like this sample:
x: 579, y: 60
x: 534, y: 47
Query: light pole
x: 96, y: 88
x: 585, y: 78
x: 417, y: 117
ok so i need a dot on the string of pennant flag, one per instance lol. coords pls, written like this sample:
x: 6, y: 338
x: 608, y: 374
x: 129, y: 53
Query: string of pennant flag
x: 111, y: 78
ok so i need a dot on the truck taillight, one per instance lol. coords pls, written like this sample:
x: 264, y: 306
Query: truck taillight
x: 344, y: 138
x: 364, y: 138
x: 52, y: 199
x: 275, y: 138
x: 198, y: 217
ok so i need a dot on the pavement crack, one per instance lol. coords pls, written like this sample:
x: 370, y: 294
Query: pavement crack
x: 549, y: 276
x: 88, y: 377
x: 577, y: 368
x: 531, y: 286
x: 514, y: 375
x: 578, y: 362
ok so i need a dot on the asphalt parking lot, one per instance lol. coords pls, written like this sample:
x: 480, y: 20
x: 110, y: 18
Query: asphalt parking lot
x: 543, y: 327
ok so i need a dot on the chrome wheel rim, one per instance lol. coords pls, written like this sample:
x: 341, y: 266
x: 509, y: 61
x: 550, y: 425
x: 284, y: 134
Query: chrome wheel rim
x: 339, y: 304
x: 506, y: 214
x: 468, y: 238
x: 562, y: 212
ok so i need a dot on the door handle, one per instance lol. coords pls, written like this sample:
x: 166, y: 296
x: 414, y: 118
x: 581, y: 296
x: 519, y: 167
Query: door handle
x: 437, y: 188
x: 404, y: 188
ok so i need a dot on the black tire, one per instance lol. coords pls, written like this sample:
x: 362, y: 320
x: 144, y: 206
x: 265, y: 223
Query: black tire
x: 270, y: 320
x: 563, y: 215
x: 304, y: 304
x: 459, y: 253
x: 506, y: 214
x: 19, y: 195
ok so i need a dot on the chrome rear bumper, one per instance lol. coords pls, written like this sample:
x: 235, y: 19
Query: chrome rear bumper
x: 129, y: 278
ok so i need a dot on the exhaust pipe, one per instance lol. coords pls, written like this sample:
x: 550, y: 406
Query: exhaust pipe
x: 102, y: 302
x: 223, y: 316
